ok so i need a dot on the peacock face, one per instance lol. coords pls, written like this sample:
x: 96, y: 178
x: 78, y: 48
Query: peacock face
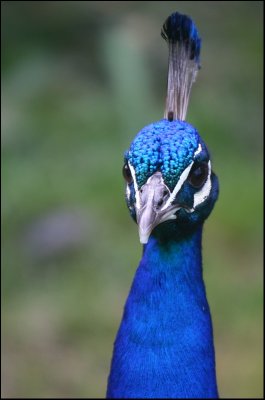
x: 170, y: 184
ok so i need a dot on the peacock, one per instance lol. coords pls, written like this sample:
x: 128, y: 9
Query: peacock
x: 164, y: 346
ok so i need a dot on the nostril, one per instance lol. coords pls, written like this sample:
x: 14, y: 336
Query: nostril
x: 160, y: 202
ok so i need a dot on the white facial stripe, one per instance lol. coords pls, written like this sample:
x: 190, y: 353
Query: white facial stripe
x: 128, y: 192
x: 199, y: 149
x: 202, y: 195
x: 178, y: 186
x: 137, y: 195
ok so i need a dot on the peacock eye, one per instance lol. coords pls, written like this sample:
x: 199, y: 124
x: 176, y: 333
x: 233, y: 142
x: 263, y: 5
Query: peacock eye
x: 127, y: 173
x: 198, y: 175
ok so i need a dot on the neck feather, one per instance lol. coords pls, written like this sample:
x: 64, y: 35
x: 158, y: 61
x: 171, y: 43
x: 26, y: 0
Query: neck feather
x: 164, y: 347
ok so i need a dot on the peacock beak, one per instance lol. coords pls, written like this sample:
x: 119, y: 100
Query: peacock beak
x: 147, y: 216
x: 153, y: 210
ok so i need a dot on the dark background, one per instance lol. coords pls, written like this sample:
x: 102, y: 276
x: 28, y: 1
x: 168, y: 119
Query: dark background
x: 79, y: 80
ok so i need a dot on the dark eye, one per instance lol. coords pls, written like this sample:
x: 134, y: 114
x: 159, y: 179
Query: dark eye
x: 127, y: 173
x: 198, y: 175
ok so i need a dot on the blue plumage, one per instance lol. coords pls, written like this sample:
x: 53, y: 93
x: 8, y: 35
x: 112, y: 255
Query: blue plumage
x: 164, y: 347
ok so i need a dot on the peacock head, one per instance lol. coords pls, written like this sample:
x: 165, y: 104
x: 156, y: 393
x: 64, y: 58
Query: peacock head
x: 171, y: 188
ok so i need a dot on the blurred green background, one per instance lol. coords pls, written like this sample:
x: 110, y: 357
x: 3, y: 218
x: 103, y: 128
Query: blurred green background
x: 79, y: 80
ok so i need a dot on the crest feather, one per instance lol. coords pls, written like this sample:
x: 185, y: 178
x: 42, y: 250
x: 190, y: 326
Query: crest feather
x: 184, y: 44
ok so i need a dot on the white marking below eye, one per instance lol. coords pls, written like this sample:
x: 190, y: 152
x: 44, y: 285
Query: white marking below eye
x: 202, y: 195
x: 178, y: 186
x: 128, y: 192
x: 199, y: 149
x: 137, y: 195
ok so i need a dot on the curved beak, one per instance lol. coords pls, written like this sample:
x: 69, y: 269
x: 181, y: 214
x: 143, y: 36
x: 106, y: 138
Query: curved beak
x: 153, y: 208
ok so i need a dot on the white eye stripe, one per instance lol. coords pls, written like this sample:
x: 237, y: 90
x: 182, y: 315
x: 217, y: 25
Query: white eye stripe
x: 137, y: 195
x: 199, y: 149
x: 128, y: 192
x: 181, y: 180
x: 202, y: 195
x: 178, y: 186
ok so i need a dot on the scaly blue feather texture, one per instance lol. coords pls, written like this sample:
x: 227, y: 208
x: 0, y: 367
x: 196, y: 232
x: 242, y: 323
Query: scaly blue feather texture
x: 166, y: 145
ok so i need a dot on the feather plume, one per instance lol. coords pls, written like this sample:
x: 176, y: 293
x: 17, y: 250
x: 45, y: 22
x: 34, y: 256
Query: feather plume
x: 184, y: 44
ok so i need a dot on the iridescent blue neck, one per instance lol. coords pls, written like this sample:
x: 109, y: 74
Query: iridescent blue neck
x: 164, y: 347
